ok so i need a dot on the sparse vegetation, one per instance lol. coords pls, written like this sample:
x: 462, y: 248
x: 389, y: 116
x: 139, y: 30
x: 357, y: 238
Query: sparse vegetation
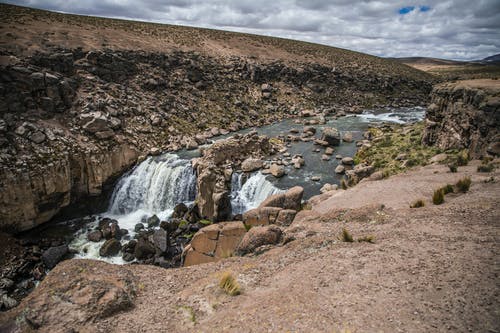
x: 463, y: 184
x: 346, y: 236
x: 189, y: 311
x: 453, y: 167
x: 438, y: 197
x: 447, y: 189
x: 387, y: 144
x: 462, y: 158
x: 368, y: 239
x: 417, y: 204
x: 229, y: 284
x: 485, y: 167
x: 343, y: 184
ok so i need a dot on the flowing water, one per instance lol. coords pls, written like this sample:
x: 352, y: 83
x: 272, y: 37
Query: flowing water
x: 157, y: 184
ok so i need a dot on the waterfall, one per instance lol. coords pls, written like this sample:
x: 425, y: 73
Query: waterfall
x: 249, y: 194
x: 155, y: 185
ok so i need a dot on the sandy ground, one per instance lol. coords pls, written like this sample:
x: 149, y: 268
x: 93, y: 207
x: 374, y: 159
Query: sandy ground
x: 430, y: 269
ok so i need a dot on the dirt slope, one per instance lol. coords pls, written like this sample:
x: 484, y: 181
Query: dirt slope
x: 430, y: 269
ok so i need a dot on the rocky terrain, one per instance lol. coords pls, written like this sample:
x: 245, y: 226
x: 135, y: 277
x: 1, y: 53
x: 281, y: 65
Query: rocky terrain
x: 418, y: 269
x: 465, y: 115
x: 78, y: 109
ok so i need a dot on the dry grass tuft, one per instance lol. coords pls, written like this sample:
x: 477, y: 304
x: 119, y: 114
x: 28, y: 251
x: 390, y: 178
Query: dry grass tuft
x: 229, y: 284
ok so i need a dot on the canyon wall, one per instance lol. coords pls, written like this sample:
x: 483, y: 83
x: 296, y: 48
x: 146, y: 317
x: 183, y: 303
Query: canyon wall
x: 465, y: 115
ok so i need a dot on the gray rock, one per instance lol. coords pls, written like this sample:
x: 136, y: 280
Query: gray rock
x: 52, y: 256
x: 347, y: 161
x: 38, y: 137
x: 153, y: 221
x: 331, y: 135
x: 277, y: 170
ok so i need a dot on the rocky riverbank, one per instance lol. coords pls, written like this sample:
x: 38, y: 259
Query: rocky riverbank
x: 75, y: 114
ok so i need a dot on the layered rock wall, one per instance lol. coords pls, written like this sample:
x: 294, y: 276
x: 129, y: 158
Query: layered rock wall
x: 463, y: 115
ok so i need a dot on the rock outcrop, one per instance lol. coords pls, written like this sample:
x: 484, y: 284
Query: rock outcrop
x: 215, y: 169
x: 75, y: 293
x: 465, y: 114
x: 277, y: 209
x: 214, y: 242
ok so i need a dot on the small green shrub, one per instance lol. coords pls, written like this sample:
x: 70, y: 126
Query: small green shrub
x: 438, y: 197
x: 229, y: 284
x: 463, y: 184
x: 453, y: 168
x: 447, y: 189
x: 346, y: 236
x: 417, y: 204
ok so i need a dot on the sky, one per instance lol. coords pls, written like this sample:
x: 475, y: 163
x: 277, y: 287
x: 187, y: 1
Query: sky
x: 449, y: 29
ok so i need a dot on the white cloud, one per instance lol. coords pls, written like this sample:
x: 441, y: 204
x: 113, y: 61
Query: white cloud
x: 454, y: 29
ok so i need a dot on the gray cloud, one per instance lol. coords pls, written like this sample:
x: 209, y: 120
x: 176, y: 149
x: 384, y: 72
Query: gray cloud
x: 453, y: 29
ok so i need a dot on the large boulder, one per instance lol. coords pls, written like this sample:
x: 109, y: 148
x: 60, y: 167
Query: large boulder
x: 144, y: 249
x: 74, y: 297
x: 261, y: 216
x: 331, y: 135
x: 214, y: 242
x: 291, y: 199
x: 251, y: 164
x: 258, y: 236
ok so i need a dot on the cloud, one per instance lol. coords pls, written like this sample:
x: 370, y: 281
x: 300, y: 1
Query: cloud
x: 453, y: 29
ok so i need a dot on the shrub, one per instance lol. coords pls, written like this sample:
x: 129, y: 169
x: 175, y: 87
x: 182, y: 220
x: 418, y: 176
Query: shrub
x: 417, y: 204
x: 462, y: 157
x: 368, y: 239
x: 447, y: 189
x: 453, y: 168
x: 485, y: 168
x: 346, y: 236
x: 438, y: 197
x: 343, y: 184
x: 229, y: 284
x: 463, y: 184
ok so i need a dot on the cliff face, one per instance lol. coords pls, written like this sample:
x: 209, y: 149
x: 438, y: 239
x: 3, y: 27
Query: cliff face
x: 78, y: 105
x: 465, y: 114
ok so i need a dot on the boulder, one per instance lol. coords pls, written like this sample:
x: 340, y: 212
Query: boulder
x: 329, y: 151
x: 153, y: 221
x: 347, y: 161
x: 331, y: 135
x: 347, y: 137
x: 277, y: 170
x: 53, y: 255
x: 261, y: 216
x: 328, y: 187
x: 160, y: 240
x: 144, y: 249
x: 258, y: 236
x: 94, y: 122
x: 310, y: 129
x: 340, y: 169
x: 214, y: 242
x: 179, y: 211
x: 94, y: 236
x: 251, y: 164
x: 110, y: 248
x: 38, y: 137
